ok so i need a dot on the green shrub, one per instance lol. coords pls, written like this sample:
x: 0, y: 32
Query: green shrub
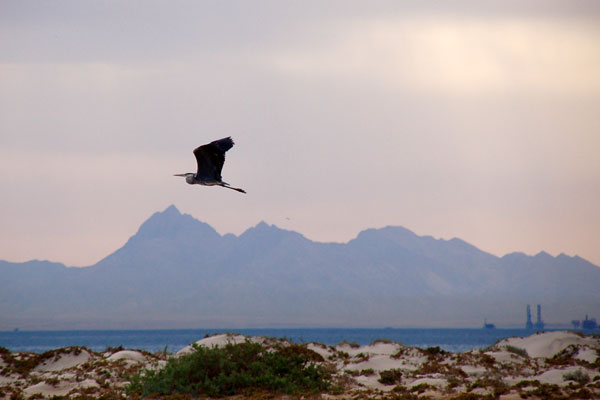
x: 496, y: 384
x: 352, y: 345
x: 546, y: 391
x: 234, y: 369
x: 390, y: 376
x: 421, y: 388
x: 367, y: 372
x: 434, y: 351
x: 578, y: 376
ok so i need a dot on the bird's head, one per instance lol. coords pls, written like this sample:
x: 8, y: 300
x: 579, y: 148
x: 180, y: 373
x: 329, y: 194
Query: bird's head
x: 189, y: 177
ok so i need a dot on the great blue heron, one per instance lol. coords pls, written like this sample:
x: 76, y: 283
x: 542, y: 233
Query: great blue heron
x: 210, y: 158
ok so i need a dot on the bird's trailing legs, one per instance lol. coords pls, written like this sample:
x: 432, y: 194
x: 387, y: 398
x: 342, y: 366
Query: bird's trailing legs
x: 226, y: 185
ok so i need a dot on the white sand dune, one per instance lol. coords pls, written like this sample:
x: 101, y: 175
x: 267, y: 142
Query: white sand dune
x: 128, y: 356
x: 64, y: 361
x: 474, y: 370
x: 558, y: 376
x: 426, y: 372
x: 548, y: 344
x: 587, y: 354
x: 7, y: 380
x: 216, y: 340
x: 436, y: 382
x: 60, y: 389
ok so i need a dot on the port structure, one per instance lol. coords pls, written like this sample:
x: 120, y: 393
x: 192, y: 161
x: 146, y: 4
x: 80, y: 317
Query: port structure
x: 528, y: 324
x: 539, y: 324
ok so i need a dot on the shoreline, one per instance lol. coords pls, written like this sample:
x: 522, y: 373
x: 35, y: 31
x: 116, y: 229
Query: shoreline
x: 449, y: 339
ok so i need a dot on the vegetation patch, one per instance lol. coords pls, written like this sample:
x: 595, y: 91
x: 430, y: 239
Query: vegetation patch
x: 363, y: 372
x: 518, y: 351
x: 470, y: 396
x: 235, y: 369
x: 382, y: 340
x: 565, y: 357
x: 486, y: 360
x: 436, y: 367
x: 401, y: 393
x: 577, y: 376
x: 547, y: 391
x: 352, y: 345
x: 421, y: 388
x: 26, y: 362
x: 497, y: 387
x: 292, y: 350
x: 367, y: 372
x: 362, y: 357
x: 434, y: 352
x: 340, y: 355
x: 390, y: 376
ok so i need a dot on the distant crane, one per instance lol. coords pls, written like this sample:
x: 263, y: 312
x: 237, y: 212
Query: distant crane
x: 539, y: 324
x: 210, y: 158
x: 529, y: 323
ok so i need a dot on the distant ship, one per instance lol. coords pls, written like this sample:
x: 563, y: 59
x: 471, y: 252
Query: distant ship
x: 486, y: 325
x: 589, y: 323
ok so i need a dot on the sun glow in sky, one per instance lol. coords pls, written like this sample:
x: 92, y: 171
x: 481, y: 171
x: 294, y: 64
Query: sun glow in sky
x: 472, y: 120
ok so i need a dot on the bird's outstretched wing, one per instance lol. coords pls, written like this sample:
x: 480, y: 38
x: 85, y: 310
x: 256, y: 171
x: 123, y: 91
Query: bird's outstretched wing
x: 211, y: 157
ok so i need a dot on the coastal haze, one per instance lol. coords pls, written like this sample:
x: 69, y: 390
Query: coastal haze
x: 178, y: 272
x: 467, y: 119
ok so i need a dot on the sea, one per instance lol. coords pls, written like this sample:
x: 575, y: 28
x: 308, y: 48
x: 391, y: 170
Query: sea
x: 453, y: 340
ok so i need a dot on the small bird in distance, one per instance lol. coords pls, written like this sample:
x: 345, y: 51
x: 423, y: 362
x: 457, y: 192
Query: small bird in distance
x: 210, y: 158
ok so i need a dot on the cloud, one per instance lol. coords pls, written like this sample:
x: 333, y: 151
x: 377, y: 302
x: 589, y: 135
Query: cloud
x: 453, y: 55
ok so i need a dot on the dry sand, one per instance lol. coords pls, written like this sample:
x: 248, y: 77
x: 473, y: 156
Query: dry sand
x: 546, y: 365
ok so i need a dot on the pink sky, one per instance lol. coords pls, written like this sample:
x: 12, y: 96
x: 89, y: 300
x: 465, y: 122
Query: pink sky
x: 477, y: 121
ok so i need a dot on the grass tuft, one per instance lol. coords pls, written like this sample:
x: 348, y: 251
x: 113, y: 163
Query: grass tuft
x: 517, y: 350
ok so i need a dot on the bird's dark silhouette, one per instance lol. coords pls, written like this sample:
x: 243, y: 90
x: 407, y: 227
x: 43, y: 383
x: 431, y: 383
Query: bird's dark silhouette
x: 210, y: 158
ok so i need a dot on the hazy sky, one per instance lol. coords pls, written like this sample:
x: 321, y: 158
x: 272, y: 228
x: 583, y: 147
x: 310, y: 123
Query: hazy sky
x: 478, y: 120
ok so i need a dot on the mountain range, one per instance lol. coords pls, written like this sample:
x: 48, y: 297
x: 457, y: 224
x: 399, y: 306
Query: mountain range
x: 178, y: 272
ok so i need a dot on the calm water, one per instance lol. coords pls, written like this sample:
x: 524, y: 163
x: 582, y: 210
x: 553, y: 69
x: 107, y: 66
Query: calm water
x: 456, y: 340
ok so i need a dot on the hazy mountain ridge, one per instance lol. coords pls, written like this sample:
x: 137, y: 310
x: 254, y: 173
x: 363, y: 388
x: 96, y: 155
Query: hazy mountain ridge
x: 179, y: 271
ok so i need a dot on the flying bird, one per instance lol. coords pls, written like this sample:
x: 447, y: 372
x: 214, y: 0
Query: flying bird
x: 210, y: 158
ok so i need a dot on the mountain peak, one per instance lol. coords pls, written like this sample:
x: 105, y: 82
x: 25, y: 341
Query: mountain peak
x: 171, y: 223
x: 263, y: 225
x: 262, y: 230
x: 171, y: 211
x: 387, y: 232
x: 544, y: 256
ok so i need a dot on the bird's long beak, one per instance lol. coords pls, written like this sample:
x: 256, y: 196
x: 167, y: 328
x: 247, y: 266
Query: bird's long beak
x: 179, y: 175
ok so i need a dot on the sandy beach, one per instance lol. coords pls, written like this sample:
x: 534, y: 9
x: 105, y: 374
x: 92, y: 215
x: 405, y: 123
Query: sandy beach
x: 546, y: 365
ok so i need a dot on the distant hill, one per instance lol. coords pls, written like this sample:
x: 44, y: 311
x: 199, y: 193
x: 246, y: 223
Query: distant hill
x: 178, y: 272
